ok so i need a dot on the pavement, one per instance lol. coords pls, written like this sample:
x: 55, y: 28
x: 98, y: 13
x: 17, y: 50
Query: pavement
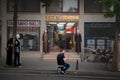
x: 33, y: 62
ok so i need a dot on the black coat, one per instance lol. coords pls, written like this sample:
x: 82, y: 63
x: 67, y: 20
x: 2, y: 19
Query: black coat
x: 78, y: 40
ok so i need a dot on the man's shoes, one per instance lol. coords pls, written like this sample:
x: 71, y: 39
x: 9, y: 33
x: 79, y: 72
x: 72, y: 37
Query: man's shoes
x: 62, y: 72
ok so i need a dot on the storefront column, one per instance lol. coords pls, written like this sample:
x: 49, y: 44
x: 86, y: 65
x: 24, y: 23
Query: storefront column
x: 118, y: 56
x: 3, y: 31
x: 3, y: 41
x: 42, y: 29
x: 81, y: 27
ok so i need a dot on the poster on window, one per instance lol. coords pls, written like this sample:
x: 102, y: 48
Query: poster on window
x: 108, y: 42
x: 91, y: 47
x: 91, y: 41
x: 100, y: 47
x: 100, y: 42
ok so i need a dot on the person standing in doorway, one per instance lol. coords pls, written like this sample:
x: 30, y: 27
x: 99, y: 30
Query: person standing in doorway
x: 78, y: 40
x: 17, y: 59
x: 9, y: 50
x: 45, y: 42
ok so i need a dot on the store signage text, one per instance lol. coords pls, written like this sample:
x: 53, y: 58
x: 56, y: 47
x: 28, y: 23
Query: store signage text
x: 25, y: 23
x: 62, y: 18
x: 27, y: 29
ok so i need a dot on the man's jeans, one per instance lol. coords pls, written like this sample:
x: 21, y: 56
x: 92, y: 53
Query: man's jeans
x: 66, y: 65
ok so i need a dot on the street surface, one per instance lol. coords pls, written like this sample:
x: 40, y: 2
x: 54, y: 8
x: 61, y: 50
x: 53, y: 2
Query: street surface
x: 18, y: 74
x: 34, y: 68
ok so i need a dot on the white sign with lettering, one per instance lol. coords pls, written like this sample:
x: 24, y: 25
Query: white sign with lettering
x: 22, y: 23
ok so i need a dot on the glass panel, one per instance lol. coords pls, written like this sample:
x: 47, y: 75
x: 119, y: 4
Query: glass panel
x: 61, y: 35
x: 24, y: 5
x: 72, y: 7
x: 35, y: 5
x: 100, y: 40
x: 29, y: 37
x: 55, y: 6
x: 92, y: 6
x: 20, y: 6
x: 10, y: 4
x: 0, y: 8
x: 102, y: 29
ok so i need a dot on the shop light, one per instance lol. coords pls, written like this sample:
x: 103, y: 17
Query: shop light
x: 70, y: 24
x: 52, y: 22
x: 62, y: 23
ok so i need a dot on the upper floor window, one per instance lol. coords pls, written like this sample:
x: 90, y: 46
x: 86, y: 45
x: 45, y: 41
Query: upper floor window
x: 24, y: 5
x: 92, y: 6
x: 59, y: 6
x: 0, y: 8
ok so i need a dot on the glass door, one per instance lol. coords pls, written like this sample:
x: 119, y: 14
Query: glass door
x: 61, y: 35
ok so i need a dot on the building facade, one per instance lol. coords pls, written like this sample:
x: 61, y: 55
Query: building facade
x: 60, y: 20
x: 0, y: 26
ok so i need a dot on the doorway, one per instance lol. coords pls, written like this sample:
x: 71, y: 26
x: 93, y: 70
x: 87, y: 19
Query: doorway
x: 61, y: 35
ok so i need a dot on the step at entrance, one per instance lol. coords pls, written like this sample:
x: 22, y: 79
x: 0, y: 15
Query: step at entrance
x: 69, y: 55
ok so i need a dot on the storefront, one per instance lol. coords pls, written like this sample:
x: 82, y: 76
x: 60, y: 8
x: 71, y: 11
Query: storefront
x: 99, y: 35
x: 29, y: 31
x: 61, y: 30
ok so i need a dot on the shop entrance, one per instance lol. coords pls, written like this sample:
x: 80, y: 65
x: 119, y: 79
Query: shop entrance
x: 61, y: 35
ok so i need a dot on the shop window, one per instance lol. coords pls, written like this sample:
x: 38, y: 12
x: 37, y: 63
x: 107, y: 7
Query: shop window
x: 102, y: 29
x: 92, y: 6
x: 62, y: 6
x: 61, y: 35
x: 72, y: 7
x: 0, y: 8
x: 99, y: 35
x: 24, y: 5
x: 29, y: 34
x: 55, y: 6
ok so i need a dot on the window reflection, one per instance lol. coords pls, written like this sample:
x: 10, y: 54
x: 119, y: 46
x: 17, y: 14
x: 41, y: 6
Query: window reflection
x: 92, y: 6
x: 24, y: 6
x: 63, y: 6
x: 72, y: 7
x: 55, y: 6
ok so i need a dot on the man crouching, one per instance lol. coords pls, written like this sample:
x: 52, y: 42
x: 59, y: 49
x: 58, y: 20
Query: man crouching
x: 61, y: 60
